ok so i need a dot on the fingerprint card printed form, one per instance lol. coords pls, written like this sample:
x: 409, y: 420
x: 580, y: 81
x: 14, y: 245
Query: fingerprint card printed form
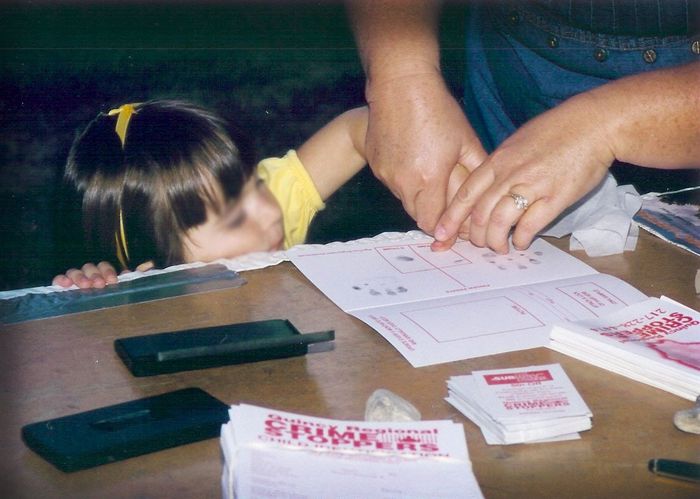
x: 420, y: 258
x: 446, y: 323
x: 467, y: 302
x: 592, y: 297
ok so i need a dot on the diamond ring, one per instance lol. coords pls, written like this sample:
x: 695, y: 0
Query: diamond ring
x: 521, y: 202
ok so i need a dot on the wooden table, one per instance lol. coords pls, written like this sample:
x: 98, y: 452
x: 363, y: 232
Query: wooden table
x: 65, y: 365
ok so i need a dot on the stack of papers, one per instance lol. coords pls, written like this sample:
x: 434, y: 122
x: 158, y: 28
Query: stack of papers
x: 656, y: 341
x: 270, y: 453
x: 527, y: 404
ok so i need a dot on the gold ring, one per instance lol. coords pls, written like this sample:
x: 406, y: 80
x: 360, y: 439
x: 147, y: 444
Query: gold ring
x: 521, y: 202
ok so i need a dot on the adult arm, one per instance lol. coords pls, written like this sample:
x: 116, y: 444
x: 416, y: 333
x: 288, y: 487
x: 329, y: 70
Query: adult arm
x: 649, y: 119
x: 417, y: 131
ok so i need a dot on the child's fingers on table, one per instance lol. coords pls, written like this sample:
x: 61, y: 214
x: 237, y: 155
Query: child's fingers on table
x: 86, y: 277
x: 62, y: 280
x: 108, y: 272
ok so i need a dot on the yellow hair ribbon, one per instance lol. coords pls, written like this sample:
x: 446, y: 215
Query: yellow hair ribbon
x: 125, y: 112
x: 120, y: 242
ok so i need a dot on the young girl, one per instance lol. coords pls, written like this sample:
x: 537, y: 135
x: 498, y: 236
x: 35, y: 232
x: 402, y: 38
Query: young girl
x: 165, y: 182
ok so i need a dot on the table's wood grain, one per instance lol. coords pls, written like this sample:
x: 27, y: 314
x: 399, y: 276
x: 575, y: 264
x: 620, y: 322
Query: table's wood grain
x: 64, y: 365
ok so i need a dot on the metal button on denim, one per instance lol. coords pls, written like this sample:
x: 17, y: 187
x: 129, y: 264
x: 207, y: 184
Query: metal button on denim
x: 600, y: 54
x: 649, y: 56
x: 513, y: 18
x: 552, y: 41
x: 695, y: 47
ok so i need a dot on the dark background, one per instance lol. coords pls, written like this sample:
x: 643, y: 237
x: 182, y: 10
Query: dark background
x: 281, y: 69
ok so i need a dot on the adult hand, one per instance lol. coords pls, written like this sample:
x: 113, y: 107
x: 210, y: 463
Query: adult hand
x: 551, y: 161
x: 88, y: 276
x: 417, y: 133
x: 649, y: 119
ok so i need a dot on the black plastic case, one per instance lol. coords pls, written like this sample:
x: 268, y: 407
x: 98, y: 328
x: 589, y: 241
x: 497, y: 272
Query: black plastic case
x: 214, y: 346
x: 128, y: 429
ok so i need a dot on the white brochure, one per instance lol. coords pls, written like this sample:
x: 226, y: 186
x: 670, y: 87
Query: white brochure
x: 462, y: 303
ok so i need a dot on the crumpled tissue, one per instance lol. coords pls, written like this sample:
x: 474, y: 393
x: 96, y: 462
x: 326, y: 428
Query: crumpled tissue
x: 601, y: 223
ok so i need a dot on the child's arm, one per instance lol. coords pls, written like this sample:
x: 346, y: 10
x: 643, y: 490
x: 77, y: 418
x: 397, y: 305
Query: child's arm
x: 336, y: 152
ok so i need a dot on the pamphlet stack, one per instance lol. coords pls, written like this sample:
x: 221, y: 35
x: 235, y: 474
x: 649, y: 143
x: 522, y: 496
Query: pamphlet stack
x: 270, y: 453
x: 528, y: 404
x: 656, y: 341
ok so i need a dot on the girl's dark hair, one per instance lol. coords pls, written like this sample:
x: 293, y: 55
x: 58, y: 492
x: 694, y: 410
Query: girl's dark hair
x: 160, y: 181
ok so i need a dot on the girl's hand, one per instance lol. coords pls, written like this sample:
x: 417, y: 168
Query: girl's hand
x: 88, y: 276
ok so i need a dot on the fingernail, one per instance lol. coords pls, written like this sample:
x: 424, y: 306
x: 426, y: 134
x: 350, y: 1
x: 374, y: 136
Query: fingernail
x: 440, y: 233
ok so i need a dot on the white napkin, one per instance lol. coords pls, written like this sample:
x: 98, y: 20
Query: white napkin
x: 601, y: 223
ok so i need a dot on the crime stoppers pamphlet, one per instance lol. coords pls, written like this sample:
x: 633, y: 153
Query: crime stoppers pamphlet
x: 656, y: 341
x: 519, y: 405
x: 269, y: 453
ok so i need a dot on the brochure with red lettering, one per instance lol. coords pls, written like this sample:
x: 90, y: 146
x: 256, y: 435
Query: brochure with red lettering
x: 462, y: 303
x: 656, y: 341
x: 521, y: 405
x: 269, y: 453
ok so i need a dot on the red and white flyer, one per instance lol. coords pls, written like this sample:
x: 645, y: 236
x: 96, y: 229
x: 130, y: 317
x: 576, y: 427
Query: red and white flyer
x: 271, y: 453
x: 529, y: 394
x: 518, y: 405
x: 656, y: 341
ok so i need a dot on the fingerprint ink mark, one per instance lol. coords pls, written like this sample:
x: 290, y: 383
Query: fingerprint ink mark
x: 401, y: 289
x: 404, y: 258
x: 535, y: 261
x: 521, y: 266
x: 538, y: 253
x: 390, y: 292
x: 374, y: 292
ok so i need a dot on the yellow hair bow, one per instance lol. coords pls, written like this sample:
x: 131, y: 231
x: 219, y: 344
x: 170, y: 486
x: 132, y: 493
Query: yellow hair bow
x: 124, y: 113
x: 124, y: 116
